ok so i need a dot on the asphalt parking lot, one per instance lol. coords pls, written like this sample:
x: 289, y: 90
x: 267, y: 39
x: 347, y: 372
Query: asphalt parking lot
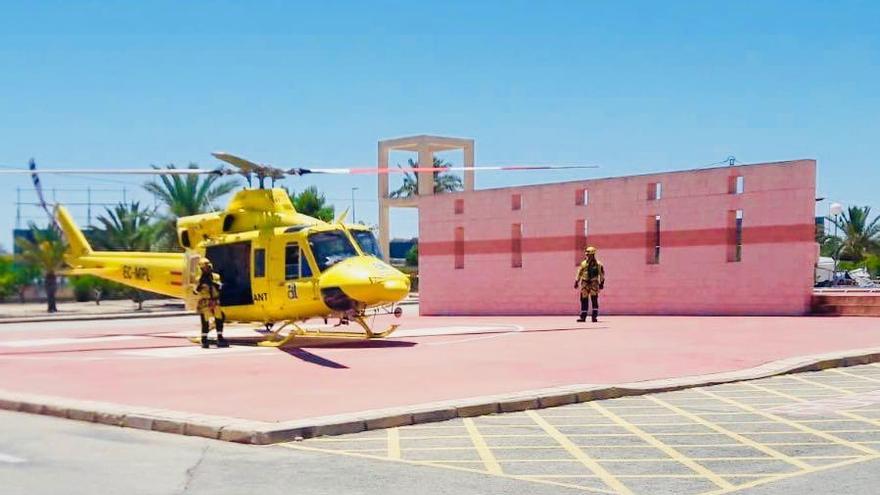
x: 708, y: 440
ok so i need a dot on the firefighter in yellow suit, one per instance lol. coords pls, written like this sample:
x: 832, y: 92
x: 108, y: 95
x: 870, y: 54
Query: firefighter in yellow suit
x: 208, y: 290
x: 591, y: 280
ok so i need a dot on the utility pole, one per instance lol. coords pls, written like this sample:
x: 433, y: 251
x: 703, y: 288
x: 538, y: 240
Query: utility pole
x: 353, y: 215
x: 835, y: 209
x: 17, y: 207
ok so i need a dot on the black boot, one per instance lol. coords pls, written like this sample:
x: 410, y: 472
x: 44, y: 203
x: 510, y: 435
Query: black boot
x: 595, y: 315
x: 583, y: 317
x: 205, y: 328
x: 221, y: 342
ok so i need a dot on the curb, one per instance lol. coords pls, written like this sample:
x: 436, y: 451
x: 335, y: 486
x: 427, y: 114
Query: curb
x: 93, y: 317
x: 264, y: 433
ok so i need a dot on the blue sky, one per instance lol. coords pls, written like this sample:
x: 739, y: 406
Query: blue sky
x: 631, y: 86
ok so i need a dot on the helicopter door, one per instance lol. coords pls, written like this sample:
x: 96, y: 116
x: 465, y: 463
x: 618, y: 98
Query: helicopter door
x: 233, y: 263
x: 296, y: 284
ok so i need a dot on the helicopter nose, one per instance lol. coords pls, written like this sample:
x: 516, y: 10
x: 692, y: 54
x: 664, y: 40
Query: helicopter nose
x: 363, y: 281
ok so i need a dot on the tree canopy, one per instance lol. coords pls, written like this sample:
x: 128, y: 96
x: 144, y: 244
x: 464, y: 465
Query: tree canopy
x: 443, y: 181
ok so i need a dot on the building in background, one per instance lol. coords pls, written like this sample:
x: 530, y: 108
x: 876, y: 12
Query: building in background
x: 734, y: 240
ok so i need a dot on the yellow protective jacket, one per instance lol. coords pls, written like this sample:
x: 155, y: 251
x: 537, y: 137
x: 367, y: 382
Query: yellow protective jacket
x: 208, y: 290
x: 591, y: 278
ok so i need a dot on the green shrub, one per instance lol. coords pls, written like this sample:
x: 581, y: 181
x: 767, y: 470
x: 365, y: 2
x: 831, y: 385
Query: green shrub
x: 872, y: 263
x: 412, y: 256
x: 84, y: 288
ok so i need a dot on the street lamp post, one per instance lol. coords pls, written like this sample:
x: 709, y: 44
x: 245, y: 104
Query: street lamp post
x: 835, y: 209
x: 353, y: 215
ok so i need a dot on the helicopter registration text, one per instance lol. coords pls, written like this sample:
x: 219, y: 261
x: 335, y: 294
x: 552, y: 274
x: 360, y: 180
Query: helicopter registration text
x: 135, y: 272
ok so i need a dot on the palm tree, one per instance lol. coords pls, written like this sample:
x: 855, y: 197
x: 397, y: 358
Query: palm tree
x: 185, y: 196
x: 443, y: 181
x: 829, y: 245
x: 312, y: 203
x: 125, y: 227
x: 44, y: 251
x: 860, y: 236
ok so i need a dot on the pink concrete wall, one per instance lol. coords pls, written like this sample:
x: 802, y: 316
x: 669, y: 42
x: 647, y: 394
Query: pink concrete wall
x: 694, y: 276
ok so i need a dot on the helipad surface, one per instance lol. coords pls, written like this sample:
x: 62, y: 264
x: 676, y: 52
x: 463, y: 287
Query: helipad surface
x: 149, y: 363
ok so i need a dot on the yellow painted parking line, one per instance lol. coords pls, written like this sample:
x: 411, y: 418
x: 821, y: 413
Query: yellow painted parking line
x: 781, y: 476
x: 393, y: 443
x: 847, y: 373
x: 299, y: 446
x: 486, y: 455
x: 666, y: 449
x: 496, y: 448
x: 804, y: 428
x: 647, y: 415
x: 579, y: 454
x: 589, y: 476
x: 759, y: 422
x: 346, y: 440
x: 678, y: 445
x: 732, y: 434
x: 798, y: 444
x: 846, y: 414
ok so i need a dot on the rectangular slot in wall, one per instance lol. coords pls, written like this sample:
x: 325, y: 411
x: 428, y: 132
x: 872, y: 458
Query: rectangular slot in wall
x: 581, y: 197
x: 459, y: 248
x: 580, y: 240
x: 655, y: 191
x: 653, y: 239
x: 735, y: 237
x: 459, y: 206
x: 736, y: 184
x: 516, y: 238
x: 516, y: 202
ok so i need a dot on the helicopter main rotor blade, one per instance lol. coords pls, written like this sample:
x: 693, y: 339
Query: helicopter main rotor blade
x: 110, y: 171
x: 374, y: 170
x: 237, y: 161
x: 248, y: 167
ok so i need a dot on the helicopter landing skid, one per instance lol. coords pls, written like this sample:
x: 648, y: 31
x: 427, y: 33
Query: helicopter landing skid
x: 275, y: 339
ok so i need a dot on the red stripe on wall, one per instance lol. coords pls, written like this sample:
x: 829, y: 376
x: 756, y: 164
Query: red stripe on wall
x: 773, y: 234
x: 177, y: 273
x: 176, y: 283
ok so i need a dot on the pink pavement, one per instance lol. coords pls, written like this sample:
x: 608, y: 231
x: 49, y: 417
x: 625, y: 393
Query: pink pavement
x: 142, y: 362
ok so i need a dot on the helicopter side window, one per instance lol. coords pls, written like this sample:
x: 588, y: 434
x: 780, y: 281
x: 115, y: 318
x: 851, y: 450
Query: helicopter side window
x: 330, y: 248
x: 295, y: 263
x: 291, y: 261
x: 259, y: 263
x: 367, y: 241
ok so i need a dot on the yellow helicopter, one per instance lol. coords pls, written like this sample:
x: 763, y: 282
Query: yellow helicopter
x: 278, y: 268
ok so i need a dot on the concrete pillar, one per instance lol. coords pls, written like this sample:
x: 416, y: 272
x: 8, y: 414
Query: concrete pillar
x: 384, y: 209
x: 468, y: 151
x: 426, y: 179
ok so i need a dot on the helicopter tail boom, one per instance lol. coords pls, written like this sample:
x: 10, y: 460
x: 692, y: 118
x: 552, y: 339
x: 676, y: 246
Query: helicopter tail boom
x: 79, y: 246
x: 150, y: 271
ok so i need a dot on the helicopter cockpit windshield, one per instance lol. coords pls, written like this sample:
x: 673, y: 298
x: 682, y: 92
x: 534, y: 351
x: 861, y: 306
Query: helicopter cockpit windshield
x: 330, y: 248
x: 367, y: 241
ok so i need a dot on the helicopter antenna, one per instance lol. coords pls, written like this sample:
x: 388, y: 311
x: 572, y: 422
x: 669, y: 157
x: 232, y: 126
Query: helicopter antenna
x: 32, y: 166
